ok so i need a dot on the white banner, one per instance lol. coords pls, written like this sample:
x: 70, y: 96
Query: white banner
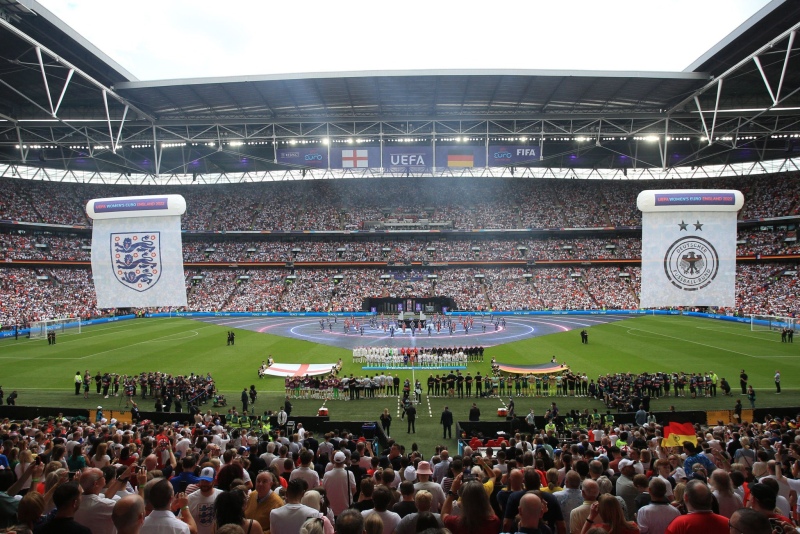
x: 689, y: 247
x: 137, y: 257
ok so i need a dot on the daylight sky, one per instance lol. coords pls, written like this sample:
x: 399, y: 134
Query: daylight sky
x: 169, y: 39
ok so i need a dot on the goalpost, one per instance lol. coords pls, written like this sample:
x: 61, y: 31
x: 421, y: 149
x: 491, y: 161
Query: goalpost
x: 764, y: 323
x: 40, y: 329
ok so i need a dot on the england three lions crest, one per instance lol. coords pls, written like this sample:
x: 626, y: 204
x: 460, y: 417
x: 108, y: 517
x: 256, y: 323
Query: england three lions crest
x: 691, y: 263
x: 136, y: 259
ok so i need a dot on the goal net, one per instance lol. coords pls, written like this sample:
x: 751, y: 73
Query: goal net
x: 763, y: 323
x: 40, y: 329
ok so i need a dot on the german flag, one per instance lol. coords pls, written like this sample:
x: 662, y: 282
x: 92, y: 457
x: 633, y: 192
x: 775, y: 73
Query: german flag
x: 676, y: 433
x: 460, y: 157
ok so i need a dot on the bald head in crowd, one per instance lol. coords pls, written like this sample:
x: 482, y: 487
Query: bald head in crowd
x: 128, y: 514
x: 530, y: 511
x: 698, y: 496
x: 590, y: 490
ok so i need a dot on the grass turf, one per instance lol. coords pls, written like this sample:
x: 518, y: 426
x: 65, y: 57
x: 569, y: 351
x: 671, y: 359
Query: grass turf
x: 43, y: 374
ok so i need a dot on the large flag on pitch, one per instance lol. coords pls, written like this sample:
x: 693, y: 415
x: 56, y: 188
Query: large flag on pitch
x: 689, y: 247
x: 137, y: 257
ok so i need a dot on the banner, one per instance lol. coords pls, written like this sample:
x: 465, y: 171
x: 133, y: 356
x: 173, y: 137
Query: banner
x: 689, y: 247
x: 408, y: 158
x: 316, y: 157
x: 137, y: 258
x: 356, y: 157
x: 460, y: 157
x: 502, y: 155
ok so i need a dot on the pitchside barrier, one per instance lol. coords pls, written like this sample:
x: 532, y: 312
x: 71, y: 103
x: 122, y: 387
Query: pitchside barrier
x: 747, y: 320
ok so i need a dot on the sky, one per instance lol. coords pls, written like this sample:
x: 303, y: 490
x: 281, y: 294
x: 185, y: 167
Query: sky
x: 176, y: 39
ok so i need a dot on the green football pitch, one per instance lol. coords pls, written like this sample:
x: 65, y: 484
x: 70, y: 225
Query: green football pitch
x: 43, y: 374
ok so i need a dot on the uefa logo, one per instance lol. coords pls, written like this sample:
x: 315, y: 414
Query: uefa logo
x: 691, y: 263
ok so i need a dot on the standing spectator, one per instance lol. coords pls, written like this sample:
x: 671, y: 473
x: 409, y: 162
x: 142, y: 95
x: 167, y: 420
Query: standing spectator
x: 476, y: 512
x: 382, y: 499
x: 339, y: 484
x: 230, y: 509
x: 570, y: 497
x: 96, y: 509
x: 201, y: 502
x: 67, y: 498
x: 699, y: 519
x: 625, y: 487
x: 424, y: 473
x: 261, y: 501
x: 656, y: 516
x: 609, y: 512
x: 128, y: 514
x: 290, y: 517
x: 161, y: 520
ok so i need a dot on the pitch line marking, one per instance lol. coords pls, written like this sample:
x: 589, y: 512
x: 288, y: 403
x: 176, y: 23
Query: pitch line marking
x: 693, y: 342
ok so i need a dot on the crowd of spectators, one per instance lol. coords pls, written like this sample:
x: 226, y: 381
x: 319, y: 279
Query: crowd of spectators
x: 356, y: 204
x: 17, y: 247
x: 28, y: 294
x: 580, y: 473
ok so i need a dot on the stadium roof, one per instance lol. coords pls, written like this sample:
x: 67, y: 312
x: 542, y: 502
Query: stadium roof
x: 92, y: 120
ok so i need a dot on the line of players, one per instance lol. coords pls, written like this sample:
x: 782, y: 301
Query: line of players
x: 414, y: 356
x: 332, y: 387
x: 417, y: 327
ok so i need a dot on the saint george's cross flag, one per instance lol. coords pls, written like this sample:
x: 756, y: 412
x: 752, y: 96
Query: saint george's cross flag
x: 137, y: 258
x: 689, y: 247
x: 299, y: 369
x: 355, y: 158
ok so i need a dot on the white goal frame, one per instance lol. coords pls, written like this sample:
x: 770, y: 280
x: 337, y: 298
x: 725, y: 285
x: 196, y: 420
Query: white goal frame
x: 40, y: 329
x: 775, y: 323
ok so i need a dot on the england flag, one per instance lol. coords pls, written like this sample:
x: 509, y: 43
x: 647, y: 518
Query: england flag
x: 355, y: 158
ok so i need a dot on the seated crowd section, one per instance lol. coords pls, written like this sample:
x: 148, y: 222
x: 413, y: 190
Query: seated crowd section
x: 41, y: 281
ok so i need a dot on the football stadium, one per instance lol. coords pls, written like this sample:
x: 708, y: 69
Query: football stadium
x: 371, y: 268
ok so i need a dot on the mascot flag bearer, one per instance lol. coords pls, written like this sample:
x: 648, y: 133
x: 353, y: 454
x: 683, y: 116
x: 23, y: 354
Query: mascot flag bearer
x: 137, y: 257
x: 689, y: 247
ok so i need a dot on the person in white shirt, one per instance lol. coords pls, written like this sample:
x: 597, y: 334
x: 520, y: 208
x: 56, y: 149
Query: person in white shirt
x: 290, y: 517
x: 339, y: 484
x: 96, y: 509
x: 381, y: 499
x: 656, y: 516
x: 306, y: 470
x: 161, y: 520
x: 201, y: 502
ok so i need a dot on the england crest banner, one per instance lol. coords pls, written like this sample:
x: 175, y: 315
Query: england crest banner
x: 689, y: 247
x: 137, y: 257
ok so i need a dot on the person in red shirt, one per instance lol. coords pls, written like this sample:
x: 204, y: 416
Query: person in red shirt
x: 700, y: 519
x: 477, y: 516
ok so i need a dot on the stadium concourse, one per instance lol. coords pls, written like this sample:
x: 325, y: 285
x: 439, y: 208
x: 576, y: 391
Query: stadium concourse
x: 509, y: 329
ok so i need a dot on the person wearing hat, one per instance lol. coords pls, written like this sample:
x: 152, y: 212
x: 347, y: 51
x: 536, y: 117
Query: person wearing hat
x: 424, y: 473
x: 201, y: 502
x: 625, y: 487
x: 339, y: 484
